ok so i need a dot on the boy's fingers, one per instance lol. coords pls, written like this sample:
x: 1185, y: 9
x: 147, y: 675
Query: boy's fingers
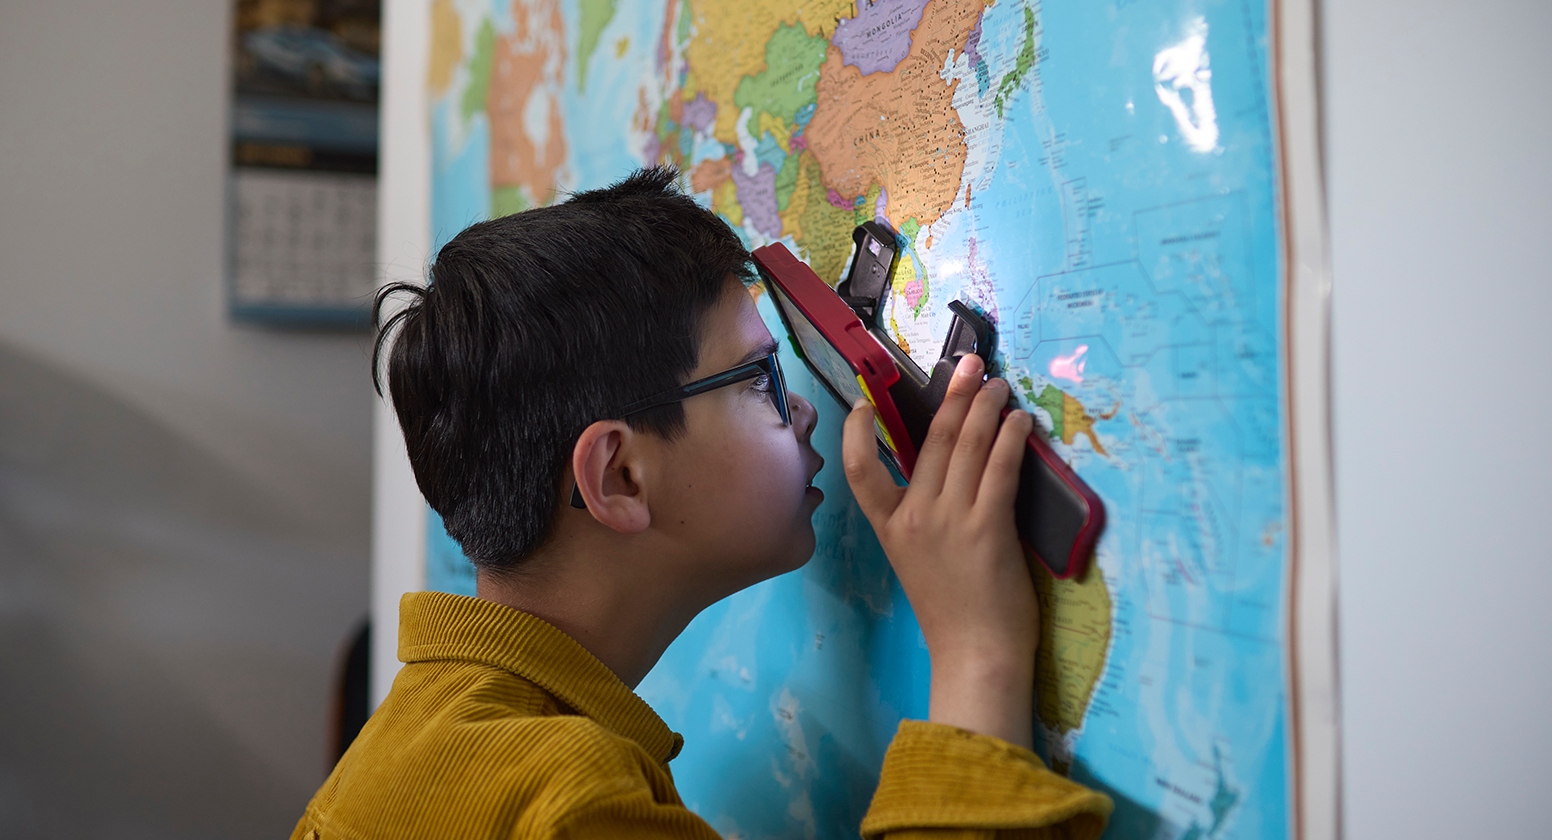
x: 976, y: 435
x: 875, y: 491
x: 933, y: 459
x: 999, y: 484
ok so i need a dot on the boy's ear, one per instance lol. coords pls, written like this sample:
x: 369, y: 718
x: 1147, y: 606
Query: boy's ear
x: 608, y: 474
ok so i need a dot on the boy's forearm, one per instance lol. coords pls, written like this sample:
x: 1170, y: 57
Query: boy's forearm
x: 989, y: 694
x: 951, y: 539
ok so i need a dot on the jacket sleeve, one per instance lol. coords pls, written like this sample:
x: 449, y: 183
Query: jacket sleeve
x: 946, y: 783
x: 938, y: 782
x: 632, y: 814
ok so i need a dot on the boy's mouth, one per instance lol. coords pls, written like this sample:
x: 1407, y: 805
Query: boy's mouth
x: 810, y: 489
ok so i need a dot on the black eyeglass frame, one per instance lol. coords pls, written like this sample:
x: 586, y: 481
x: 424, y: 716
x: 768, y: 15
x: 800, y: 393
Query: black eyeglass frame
x: 769, y: 366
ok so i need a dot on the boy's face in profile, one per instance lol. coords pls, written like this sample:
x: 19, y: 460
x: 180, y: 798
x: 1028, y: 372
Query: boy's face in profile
x: 738, y: 495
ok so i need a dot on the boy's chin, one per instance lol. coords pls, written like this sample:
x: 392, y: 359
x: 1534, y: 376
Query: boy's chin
x: 802, y: 559
x: 805, y: 552
x: 797, y: 555
x: 793, y: 554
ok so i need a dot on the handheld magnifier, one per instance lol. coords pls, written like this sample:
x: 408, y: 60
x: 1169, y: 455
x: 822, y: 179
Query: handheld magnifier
x: 836, y: 331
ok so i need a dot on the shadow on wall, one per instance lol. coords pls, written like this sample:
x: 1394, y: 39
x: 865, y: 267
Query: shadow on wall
x: 168, y: 631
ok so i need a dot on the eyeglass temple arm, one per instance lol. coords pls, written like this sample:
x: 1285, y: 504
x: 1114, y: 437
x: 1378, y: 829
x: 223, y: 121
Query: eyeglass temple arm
x: 712, y: 383
x: 677, y: 395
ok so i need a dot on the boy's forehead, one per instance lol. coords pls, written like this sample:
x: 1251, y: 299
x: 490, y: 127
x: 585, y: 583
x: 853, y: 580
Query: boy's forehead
x: 733, y: 331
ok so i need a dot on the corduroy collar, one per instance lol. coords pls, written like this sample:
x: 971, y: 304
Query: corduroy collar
x: 437, y: 625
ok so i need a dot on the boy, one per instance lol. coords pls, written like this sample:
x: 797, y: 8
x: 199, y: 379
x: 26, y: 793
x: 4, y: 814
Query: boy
x: 592, y: 404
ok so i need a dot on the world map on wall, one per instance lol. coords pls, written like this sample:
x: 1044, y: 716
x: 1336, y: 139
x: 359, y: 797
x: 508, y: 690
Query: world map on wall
x: 1097, y: 177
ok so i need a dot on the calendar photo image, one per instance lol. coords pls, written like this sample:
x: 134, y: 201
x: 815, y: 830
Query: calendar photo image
x: 302, y: 193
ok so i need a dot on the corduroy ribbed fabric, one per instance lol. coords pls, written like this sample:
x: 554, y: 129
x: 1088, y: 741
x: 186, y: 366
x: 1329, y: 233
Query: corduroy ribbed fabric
x: 502, y: 726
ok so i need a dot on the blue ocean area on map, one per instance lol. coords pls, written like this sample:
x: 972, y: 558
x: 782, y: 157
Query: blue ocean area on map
x: 1116, y: 214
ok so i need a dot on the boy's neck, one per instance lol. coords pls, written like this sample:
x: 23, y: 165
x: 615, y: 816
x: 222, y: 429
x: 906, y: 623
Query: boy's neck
x: 607, y: 601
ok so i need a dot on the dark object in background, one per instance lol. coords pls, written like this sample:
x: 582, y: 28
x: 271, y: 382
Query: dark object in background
x: 352, y: 685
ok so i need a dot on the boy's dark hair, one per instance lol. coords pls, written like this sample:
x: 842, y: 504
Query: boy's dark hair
x: 536, y: 325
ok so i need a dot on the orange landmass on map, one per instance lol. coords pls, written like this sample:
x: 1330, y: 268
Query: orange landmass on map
x: 897, y: 129
x: 1076, y: 420
x: 820, y: 228
x: 710, y: 173
x: 527, y: 64
x: 797, y: 203
x: 446, y: 46
x: 729, y: 44
x: 724, y: 202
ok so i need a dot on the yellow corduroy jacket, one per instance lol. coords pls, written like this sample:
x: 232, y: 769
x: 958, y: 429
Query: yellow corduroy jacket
x: 502, y: 726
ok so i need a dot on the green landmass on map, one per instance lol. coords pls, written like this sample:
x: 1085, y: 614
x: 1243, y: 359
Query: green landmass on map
x: 1223, y: 801
x: 474, y: 95
x: 596, y: 15
x: 789, y: 79
x: 506, y: 200
x: 1051, y: 399
x: 1026, y: 60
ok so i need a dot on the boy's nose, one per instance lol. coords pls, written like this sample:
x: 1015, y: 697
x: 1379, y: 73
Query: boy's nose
x: 804, y: 416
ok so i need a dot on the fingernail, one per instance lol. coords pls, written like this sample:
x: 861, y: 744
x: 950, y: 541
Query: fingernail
x: 997, y: 384
x: 966, y: 367
x: 860, y: 403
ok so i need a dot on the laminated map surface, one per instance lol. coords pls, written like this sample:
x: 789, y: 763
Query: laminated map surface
x: 1100, y: 178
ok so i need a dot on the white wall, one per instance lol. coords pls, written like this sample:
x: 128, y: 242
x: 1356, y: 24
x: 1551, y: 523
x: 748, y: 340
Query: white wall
x: 1440, y: 176
x: 403, y: 247
x: 184, y: 502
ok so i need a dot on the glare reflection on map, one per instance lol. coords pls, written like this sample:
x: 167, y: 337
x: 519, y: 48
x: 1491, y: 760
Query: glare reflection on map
x: 1099, y: 178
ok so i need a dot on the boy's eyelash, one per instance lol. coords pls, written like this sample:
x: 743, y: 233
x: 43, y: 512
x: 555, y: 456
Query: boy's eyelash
x: 761, y: 382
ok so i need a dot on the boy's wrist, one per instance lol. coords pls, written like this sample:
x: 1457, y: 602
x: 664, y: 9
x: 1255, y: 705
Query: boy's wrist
x: 989, y: 693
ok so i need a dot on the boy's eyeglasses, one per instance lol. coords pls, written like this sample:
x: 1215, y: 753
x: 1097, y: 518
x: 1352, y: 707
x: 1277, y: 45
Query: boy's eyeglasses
x: 769, y: 367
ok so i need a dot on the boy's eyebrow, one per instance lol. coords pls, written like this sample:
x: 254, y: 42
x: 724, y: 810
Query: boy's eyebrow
x: 759, y: 352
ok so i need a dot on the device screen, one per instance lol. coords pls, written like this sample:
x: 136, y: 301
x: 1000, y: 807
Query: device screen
x: 825, y: 359
x: 832, y: 367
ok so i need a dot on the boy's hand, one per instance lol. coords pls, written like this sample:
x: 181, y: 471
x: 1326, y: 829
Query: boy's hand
x: 951, y: 539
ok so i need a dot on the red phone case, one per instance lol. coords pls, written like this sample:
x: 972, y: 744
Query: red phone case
x: 845, y: 332
x: 1094, y: 509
